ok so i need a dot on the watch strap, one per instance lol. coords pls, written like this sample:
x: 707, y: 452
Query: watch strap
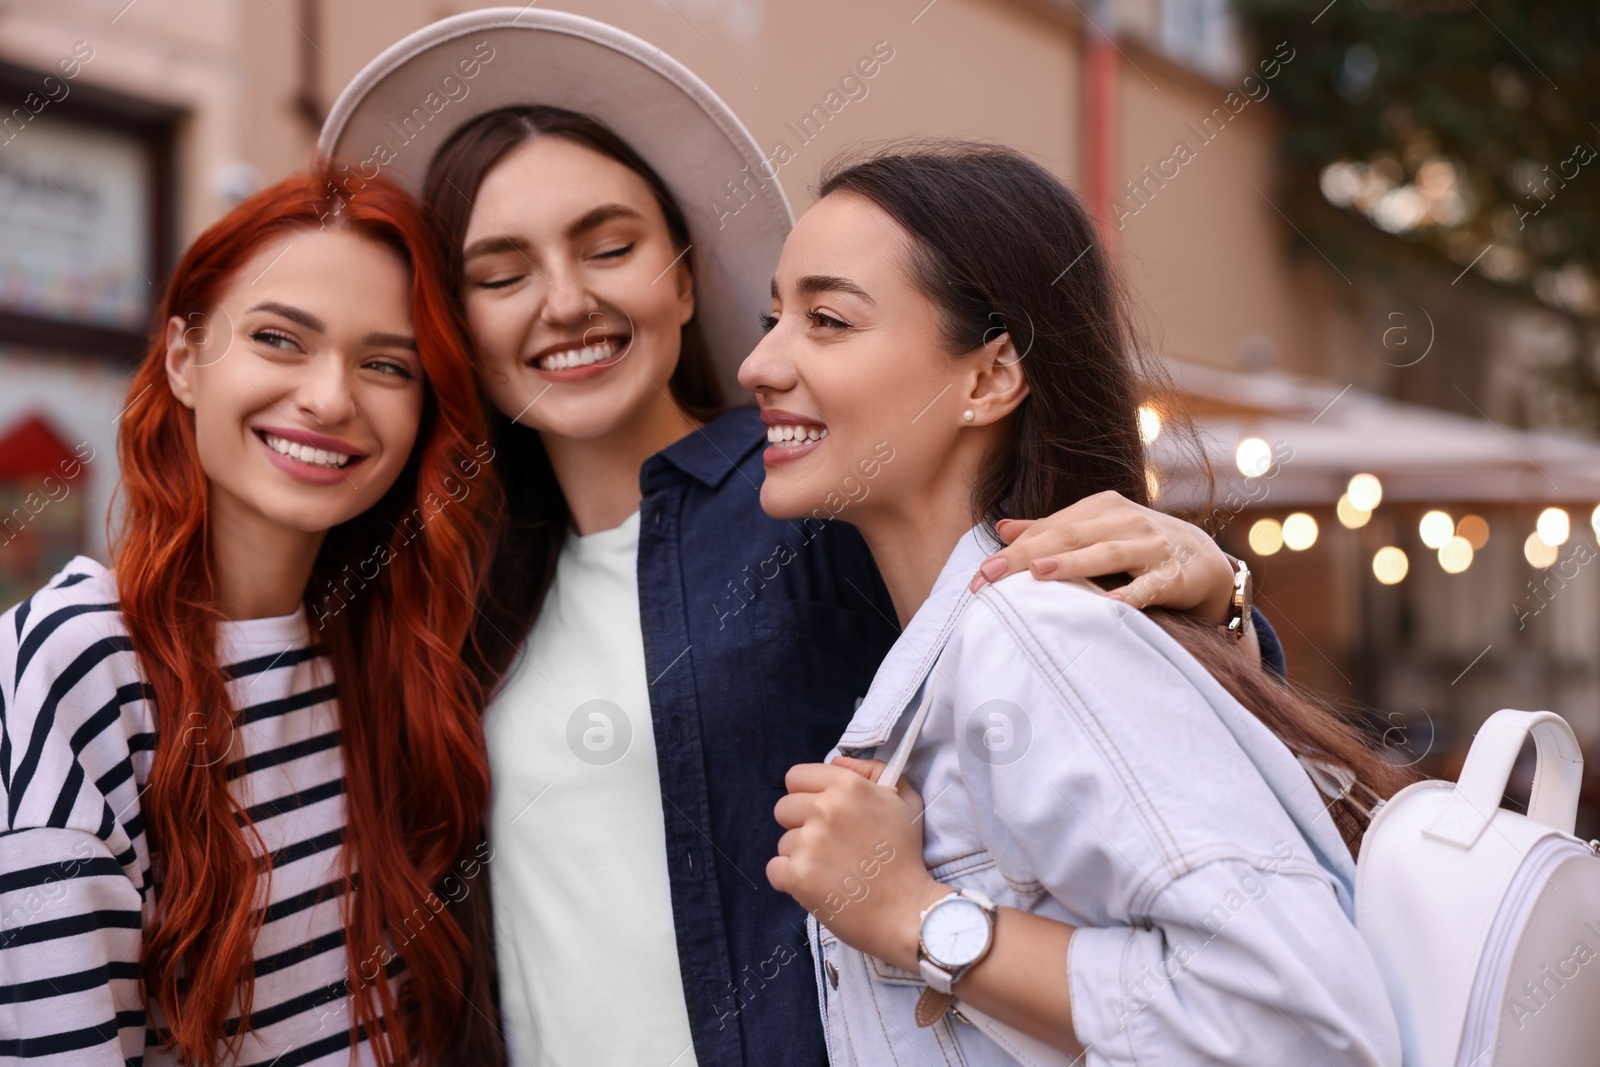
x: 982, y: 899
x: 932, y: 1005
x: 938, y: 979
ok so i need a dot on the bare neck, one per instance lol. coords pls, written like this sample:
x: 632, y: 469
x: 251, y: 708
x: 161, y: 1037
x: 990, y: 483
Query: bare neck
x: 599, y: 476
x: 261, y: 568
x: 911, y: 538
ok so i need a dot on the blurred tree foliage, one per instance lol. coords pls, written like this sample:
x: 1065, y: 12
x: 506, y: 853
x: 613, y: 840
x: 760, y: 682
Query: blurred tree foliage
x: 1465, y: 128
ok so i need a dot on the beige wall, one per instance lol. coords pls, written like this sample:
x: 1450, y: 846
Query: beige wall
x: 1206, y: 250
x: 1206, y: 255
x: 965, y: 68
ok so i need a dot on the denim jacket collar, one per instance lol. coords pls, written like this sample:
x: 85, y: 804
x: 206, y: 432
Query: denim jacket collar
x: 713, y: 452
x: 913, y: 655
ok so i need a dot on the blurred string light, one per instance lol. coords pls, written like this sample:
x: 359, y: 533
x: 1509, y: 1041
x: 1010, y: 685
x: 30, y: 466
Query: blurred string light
x: 1364, y: 492
x: 1299, y: 531
x: 1389, y: 565
x: 1553, y: 527
x: 1149, y: 423
x: 1253, y: 457
x: 1266, y: 537
x: 1539, y: 552
x: 1475, y: 529
x: 1594, y: 520
x: 1152, y: 482
x: 1351, y: 516
x: 1456, y: 555
x: 1570, y: 288
x: 1436, y: 528
x: 1438, y: 195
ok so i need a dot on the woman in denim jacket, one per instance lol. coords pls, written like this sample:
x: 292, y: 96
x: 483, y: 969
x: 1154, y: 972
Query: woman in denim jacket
x: 1171, y: 888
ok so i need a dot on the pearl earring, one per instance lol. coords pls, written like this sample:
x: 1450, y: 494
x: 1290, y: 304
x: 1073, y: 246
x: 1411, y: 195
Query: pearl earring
x: 967, y: 416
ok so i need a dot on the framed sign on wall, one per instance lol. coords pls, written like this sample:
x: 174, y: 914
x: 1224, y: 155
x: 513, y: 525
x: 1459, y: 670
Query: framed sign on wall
x: 86, y: 209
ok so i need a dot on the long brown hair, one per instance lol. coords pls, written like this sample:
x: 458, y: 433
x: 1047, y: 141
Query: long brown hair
x: 1001, y: 244
x: 529, y: 540
x: 416, y: 782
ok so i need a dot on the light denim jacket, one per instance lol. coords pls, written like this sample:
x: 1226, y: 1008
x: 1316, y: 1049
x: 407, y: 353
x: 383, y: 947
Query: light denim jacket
x: 1078, y: 764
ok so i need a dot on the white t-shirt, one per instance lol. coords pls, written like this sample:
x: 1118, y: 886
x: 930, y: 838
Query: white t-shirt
x: 588, y: 958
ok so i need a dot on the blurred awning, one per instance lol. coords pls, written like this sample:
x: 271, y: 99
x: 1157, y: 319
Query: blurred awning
x: 1323, y: 433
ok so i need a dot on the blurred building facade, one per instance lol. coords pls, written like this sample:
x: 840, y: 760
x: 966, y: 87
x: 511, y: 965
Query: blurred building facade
x: 135, y: 124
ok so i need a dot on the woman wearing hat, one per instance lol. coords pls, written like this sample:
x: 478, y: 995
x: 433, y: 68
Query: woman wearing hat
x: 663, y: 651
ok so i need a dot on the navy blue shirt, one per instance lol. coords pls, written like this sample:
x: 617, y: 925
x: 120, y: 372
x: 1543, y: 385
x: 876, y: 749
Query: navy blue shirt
x: 760, y: 636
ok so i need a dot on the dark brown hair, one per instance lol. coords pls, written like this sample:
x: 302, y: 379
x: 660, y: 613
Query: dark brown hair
x: 530, y: 538
x: 1001, y: 244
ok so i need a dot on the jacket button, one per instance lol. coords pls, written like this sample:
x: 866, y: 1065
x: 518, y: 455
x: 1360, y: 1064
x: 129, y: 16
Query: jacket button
x: 832, y: 973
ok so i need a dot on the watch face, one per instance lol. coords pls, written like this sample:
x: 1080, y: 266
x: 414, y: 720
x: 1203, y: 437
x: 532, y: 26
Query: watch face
x: 955, y: 932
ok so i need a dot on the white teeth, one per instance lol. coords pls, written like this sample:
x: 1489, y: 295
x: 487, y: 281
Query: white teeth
x: 580, y: 356
x: 793, y: 436
x: 311, y: 457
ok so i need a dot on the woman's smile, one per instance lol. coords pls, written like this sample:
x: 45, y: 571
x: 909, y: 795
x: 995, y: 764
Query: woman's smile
x: 790, y: 436
x: 309, y: 449
x: 579, y: 360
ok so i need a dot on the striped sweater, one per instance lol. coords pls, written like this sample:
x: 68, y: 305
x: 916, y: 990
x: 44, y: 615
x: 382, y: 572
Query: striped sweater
x: 77, y: 735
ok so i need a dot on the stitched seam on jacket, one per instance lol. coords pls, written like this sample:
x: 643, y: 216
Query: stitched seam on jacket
x: 884, y: 1025
x: 819, y: 964
x: 972, y: 861
x: 844, y: 1008
x: 944, y: 1036
x: 884, y: 971
x: 926, y: 665
x: 1076, y: 704
x: 1122, y: 975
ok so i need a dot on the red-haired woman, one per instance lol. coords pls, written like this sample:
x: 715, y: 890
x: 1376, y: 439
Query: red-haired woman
x: 228, y: 822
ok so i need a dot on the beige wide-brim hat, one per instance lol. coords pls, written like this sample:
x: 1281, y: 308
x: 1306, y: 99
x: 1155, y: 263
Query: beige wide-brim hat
x: 403, y: 106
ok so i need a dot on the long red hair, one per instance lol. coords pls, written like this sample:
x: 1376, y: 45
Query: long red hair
x: 416, y: 772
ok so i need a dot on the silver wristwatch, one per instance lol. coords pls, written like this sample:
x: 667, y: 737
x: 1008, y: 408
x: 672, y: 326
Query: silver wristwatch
x: 957, y: 933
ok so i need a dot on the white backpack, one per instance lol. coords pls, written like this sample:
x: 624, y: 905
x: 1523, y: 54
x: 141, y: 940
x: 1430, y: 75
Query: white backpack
x: 1485, y: 923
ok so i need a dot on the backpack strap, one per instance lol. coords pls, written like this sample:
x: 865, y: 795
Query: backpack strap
x: 1338, y: 783
x: 1556, y: 776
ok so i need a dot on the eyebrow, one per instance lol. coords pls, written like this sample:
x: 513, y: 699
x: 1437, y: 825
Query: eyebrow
x: 488, y: 246
x: 293, y: 314
x: 602, y: 214
x: 390, y: 340
x: 826, y: 283
x: 311, y: 322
